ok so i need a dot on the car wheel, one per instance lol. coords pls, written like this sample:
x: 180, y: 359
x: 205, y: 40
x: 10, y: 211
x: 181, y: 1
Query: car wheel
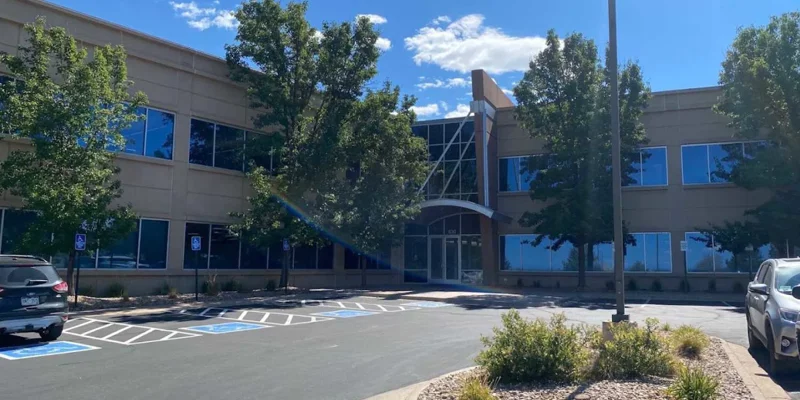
x: 52, y: 333
x: 775, y: 366
x: 752, y: 340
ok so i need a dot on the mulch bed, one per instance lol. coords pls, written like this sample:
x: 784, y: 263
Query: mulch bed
x: 714, y: 361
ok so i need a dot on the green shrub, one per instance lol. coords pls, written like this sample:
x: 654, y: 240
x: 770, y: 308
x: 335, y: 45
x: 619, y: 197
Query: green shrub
x: 689, y: 341
x: 173, y: 293
x: 519, y: 282
x: 163, y: 290
x: 738, y: 287
x: 529, y: 351
x: 693, y: 384
x: 537, y: 284
x: 666, y: 327
x: 270, y: 285
x: 116, y: 289
x: 631, y: 286
x: 656, y: 286
x: 210, y: 286
x: 476, y: 387
x: 712, y: 285
x: 86, y: 291
x: 634, y: 352
x: 231, y: 286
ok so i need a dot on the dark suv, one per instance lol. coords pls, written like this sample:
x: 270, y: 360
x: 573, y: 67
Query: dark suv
x: 33, y: 298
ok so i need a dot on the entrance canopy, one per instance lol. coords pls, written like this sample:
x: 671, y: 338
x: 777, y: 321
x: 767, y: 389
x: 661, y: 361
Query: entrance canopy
x: 462, y: 205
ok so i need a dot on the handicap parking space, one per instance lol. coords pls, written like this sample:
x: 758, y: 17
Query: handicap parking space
x: 121, y: 333
x: 359, y: 305
x: 345, y: 313
x: 43, y: 349
x: 226, y: 327
x: 254, y: 315
x: 427, y: 304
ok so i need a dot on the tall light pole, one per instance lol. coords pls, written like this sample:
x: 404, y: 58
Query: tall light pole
x: 619, y: 274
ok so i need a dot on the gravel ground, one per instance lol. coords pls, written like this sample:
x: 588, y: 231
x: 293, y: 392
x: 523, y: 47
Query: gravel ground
x: 96, y: 303
x: 714, y: 361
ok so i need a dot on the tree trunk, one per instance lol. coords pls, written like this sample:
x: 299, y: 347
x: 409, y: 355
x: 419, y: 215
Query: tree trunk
x: 581, y: 267
x: 363, y: 266
x: 590, y: 256
x: 70, y: 272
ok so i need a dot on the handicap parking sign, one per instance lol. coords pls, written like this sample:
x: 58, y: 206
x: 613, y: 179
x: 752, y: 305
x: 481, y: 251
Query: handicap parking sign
x: 196, y: 242
x: 345, y: 313
x: 80, y: 242
x: 43, y: 349
x: 228, y: 327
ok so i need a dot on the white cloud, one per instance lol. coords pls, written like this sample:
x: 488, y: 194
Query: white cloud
x: 318, y: 35
x: 383, y: 44
x: 216, y: 1
x: 422, y: 78
x: 467, y: 44
x: 426, y: 110
x: 448, y: 83
x: 202, y: 18
x: 444, y: 105
x: 374, y: 18
x: 460, y: 111
x: 508, y: 92
x: 441, y: 18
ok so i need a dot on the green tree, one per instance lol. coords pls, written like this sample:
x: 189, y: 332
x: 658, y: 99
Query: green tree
x: 308, y: 86
x: 564, y: 100
x: 71, y: 109
x: 760, y: 79
x: 388, y: 165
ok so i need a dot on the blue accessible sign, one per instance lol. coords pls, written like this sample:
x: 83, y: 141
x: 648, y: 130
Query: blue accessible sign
x: 285, y: 245
x: 41, y: 350
x: 80, y: 242
x: 345, y: 313
x: 229, y: 327
x: 196, y: 243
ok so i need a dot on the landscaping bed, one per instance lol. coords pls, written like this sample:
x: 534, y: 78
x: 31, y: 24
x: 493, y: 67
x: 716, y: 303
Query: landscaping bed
x: 551, y: 360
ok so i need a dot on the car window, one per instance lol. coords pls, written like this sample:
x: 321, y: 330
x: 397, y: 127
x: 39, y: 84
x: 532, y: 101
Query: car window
x: 761, y: 272
x: 768, y: 276
x: 786, y: 278
x: 21, y: 275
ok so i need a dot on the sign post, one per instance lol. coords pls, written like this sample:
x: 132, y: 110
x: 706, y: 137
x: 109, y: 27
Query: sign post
x: 197, y: 244
x: 285, y: 267
x: 749, y: 249
x: 80, y: 245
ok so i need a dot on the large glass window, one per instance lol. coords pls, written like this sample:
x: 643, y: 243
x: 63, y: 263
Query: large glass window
x: 517, y: 173
x: 518, y: 253
x: 120, y: 255
x: 14, y: 225
x: 224, y: 248
x: 651, y: 253
x: 152, y: 135
x: 253, y: 257
x: 509, y: 174
x: 651, y: 170
x: 229, y: 148
x: 707, y: 163
x: 201, y: 143
x: 702, y: 258
x: 222, y: 146
x: 153, y: 243
x: 459, y: 177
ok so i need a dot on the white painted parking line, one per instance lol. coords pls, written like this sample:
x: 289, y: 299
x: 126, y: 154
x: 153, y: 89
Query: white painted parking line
x: 352, y: 305
x: 255, y: 316
x: 645, y: 303
x: 139, y: 334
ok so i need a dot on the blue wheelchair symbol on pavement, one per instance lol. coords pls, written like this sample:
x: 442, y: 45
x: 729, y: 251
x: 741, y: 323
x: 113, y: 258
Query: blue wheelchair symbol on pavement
x: 41, y: 350
x: 228, y: 327
x: 345, y: 313
x: 427, y: 304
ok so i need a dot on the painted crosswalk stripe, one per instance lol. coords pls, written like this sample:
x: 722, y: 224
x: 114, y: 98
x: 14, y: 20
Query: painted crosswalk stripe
x: 117, y: 332
x: 145, y: 336
x: 133, y: 339
x: 77, y: 326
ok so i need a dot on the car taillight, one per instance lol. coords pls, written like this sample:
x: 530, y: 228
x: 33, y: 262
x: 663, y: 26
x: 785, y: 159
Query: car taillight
x: 61, y: 287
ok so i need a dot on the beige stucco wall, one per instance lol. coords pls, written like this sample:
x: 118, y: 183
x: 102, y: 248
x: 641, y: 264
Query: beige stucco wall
x: 189, y: 84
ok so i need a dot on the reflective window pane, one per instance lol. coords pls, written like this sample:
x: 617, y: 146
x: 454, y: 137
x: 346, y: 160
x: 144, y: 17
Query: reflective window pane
x: 305, y: 257
x: 510, y: 253
x: 654, y: 169
x: 435, y: 152
x: 160, y: 134
x: 224, y: 248
x: 535, y: 258
x: 420, y: 131
x: 469, y: 176
x: 695, y: 164
x: 471, y: 253
x: 15, y: 224
x: 189, y: 256
x: 509, y: 175
x: 201, y: 142
x: 467, y: 130
x: 325, y: 257
x: 636, y: 174
x: 134, y: 134
x: 228, y: 148
x: 415, y: 253
x: 565, y: 258
x: 351, y: 259
x: 277, y: 255
x: 470, y: 224
x: 253, y: 257
x: 120, y: 255
x: 153, y: 244
x: 699, y: 257
x: 634, y: 254
x: 450, y: 130
x: 603, y: 257
x: 435, y: 134
x: 722, y: 158
x: 452, y: 225
x: 724, y: 262
x: 659, y: 252
x: 470, y: 153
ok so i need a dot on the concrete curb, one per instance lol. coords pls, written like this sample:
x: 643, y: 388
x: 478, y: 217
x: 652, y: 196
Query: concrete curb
x: 412, y: 392
x: 755, y: 378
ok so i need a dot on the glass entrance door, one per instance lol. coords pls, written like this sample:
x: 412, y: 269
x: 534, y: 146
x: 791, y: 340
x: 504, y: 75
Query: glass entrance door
x: 445, y: 259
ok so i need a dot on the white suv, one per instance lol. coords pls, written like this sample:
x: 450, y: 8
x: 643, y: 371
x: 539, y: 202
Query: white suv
x: 772, y: 311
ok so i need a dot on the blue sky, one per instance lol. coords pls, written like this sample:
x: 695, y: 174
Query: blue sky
x: 431, y: 45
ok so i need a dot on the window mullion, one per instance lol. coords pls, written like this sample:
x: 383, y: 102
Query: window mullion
x: 208, y: 252
x: 2, y: 223
x: 139, y: 244
x: 144, y: 134
x: 214, y: 148
x: 641, y: 169
x: 708, y: 163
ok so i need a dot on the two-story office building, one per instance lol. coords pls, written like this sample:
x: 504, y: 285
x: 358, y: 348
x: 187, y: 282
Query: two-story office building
x: 181, y: 173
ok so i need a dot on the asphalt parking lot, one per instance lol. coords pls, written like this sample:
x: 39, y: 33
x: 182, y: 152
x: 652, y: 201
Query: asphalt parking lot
x: 347, y: 348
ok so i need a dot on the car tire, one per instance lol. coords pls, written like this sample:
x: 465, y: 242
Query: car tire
x: 776, y: 365
x: 52, y: 333
x: 752, y: 340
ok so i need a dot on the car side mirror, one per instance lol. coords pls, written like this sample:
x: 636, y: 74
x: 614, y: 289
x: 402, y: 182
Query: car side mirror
x: 796, y: 292
x: 761, y: 288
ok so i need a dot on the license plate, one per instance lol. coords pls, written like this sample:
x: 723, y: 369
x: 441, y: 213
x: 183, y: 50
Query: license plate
x: 30, y: 301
